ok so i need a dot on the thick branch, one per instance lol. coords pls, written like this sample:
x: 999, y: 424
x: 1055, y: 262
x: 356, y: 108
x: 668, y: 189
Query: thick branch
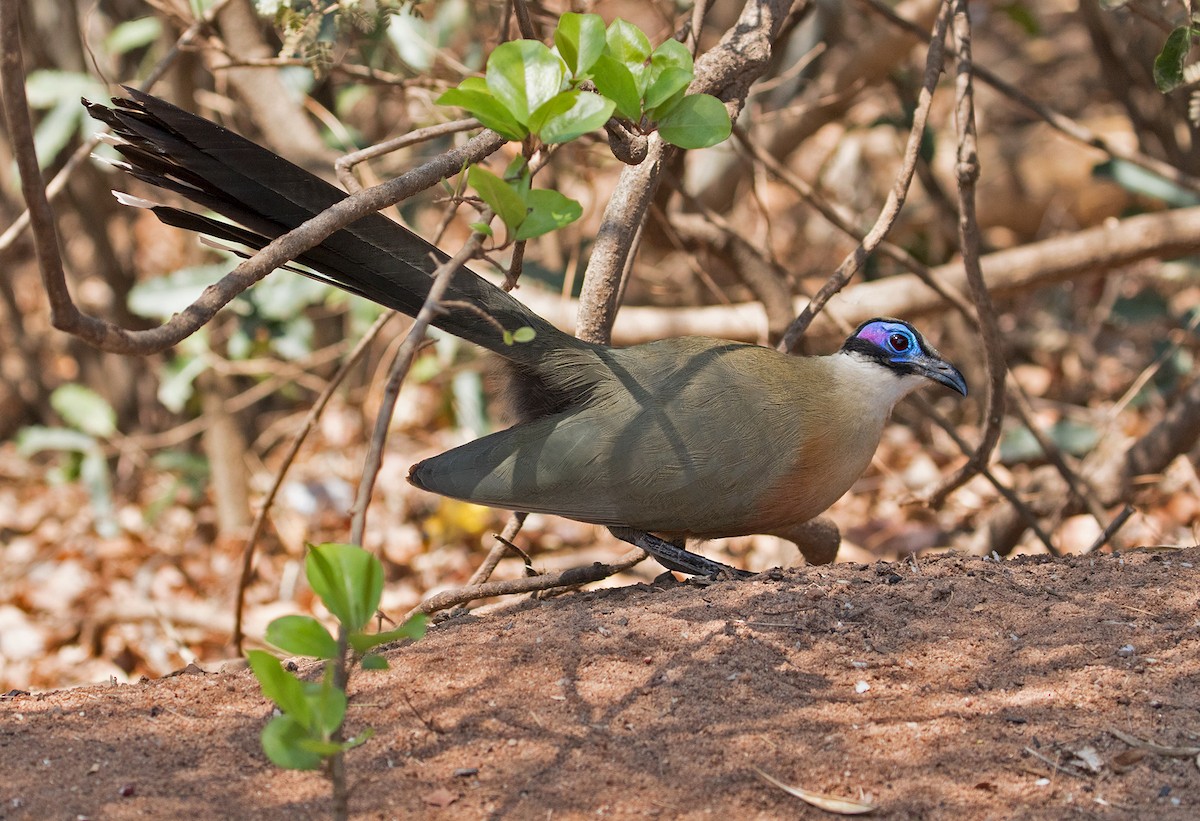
x: 1091, y: 252
x: 727, y: 72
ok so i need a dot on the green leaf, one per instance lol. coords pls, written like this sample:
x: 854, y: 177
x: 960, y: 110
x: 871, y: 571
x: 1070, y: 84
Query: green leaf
x: 484, y: 107
x: 500, y: 195
x: 627, y: 43
x: 549, y: 210
x: 94, y: 475
x: 523, y: 75
x: 325, y: 749
x: 35, y: 439
x: 1145, y: 183
x: 1168, y: 65
x: 524, y: 334
x: 329, y: 708
x: 84, y: 409
x: 302, y: 636
x: 413, y: 629
x: 481, y: 227
x: 669, y: 83
x: 280, y: 686
x: 162, y: 296
x: 283, y: 741
x: 374, y: 661
x: 696, y: 121
x: 132, y: 34
x: 571, y: 114
x: 580, y: 40
x: 349, y: 581
x: 616, y: 82
x: 671, y: 71
x: 670, y: 54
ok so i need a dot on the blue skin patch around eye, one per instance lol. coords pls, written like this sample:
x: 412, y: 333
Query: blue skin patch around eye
x: 880, y: 333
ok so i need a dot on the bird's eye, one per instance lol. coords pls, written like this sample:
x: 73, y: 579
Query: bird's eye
x: 899, y: 343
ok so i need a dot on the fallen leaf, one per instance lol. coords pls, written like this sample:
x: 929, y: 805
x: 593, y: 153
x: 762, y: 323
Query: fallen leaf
x: 1086, y: 758
x: 1125, y: 760
x: 829, y: 803
x: 440, y: 797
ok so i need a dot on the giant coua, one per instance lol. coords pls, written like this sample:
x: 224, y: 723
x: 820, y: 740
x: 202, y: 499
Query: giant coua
x: 685, y: 438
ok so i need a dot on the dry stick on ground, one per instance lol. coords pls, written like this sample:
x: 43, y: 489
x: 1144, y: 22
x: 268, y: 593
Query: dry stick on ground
x: 1059, y: 122
x: 895, y: 198
x: 107, y: 336
x: 404, y: 358
x: 310, y: 421
x: 967, y: 171
x: 572, y: 577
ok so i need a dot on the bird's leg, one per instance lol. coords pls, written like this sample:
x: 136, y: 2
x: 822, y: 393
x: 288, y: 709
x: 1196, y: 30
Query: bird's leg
x: 675, y: 557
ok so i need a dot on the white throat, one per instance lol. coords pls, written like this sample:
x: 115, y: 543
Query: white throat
x: 864, y: 377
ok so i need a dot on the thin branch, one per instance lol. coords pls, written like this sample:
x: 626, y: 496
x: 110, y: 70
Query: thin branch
x: 404, y: 358
x: 310, y: 421
x: 511, y: 528
x: 1116, y: 524
x: 345, y: 164
x: 896, y: 196
x: 1059, y: 122
x: 823, y: 207
x: 967, y: 169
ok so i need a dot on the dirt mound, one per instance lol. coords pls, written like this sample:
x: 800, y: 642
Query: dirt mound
x: 949, y: 688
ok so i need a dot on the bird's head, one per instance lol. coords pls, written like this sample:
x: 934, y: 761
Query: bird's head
x: 899, y: 347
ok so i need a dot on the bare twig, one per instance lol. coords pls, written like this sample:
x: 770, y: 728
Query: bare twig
x: 345, y: 164
x: 511, y: 528
x: 404, y: 358
x: 1060, y: 122
x: 896, y: 196
x: 1116, y: 524
x: 968, y: 231
x: 310, y: 421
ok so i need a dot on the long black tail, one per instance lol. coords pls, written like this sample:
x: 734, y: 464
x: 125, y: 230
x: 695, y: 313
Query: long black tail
x: 265, y: 196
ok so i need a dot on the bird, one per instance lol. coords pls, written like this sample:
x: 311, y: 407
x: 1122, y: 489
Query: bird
x: 678, y: 439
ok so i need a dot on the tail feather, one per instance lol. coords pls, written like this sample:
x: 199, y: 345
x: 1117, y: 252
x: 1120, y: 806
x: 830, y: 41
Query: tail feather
x: 264, y: 196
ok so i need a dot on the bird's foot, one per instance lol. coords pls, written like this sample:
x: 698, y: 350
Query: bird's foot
x: 676, y: 558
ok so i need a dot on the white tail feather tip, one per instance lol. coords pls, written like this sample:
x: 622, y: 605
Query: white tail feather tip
x: 132, y: 201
